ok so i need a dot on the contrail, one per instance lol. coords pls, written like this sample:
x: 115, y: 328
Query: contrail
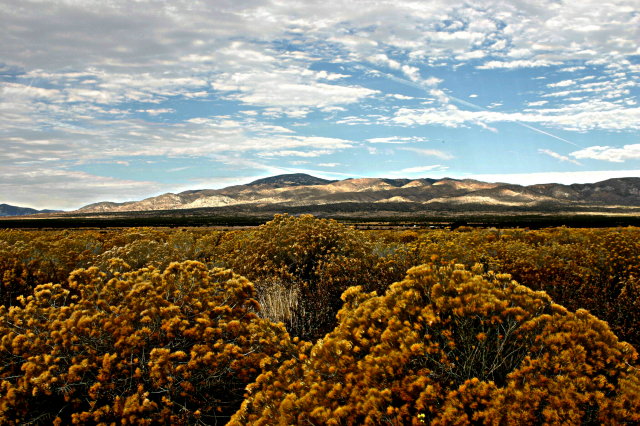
x: 463, y: 102
x: 547, y: 133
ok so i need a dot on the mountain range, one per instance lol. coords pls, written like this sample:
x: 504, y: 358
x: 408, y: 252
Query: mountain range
x: 9, y: 210
x: 302, y: 191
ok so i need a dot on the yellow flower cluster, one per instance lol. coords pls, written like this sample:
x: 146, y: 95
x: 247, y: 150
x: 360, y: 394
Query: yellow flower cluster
x: 301, y: 265
x: 450, y: 346
x: 173, y: 346
x: 104, y: 326
x: 315, y: 259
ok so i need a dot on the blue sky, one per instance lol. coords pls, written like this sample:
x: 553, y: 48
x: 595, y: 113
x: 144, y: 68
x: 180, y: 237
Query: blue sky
x: 121, y: 100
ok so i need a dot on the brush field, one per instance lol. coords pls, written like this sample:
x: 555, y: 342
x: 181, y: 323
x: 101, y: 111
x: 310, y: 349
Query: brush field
x: 307, y: 320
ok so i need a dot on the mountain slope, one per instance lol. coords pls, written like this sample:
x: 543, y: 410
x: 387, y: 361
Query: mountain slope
x: 300, y: 190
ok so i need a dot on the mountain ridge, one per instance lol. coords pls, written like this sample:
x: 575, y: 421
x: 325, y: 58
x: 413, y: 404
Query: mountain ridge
x: 300, y: 190
x: 10, y: 210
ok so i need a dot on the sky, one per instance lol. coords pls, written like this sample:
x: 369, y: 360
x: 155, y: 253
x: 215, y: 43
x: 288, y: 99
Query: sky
x: 121, y: 100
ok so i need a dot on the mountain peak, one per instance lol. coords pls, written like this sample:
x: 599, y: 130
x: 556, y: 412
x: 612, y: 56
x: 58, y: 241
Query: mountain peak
x: 292, y: 179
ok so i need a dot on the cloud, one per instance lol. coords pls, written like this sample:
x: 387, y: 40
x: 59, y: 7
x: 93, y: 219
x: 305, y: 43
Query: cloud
x: 563, y: 83
x: 287, y: 83
x: 26, y: 92
x: 358, y: 120
x: 398, y: 139
x: 90, y: 140
x: 573, y: 69
x: 472, y: 54
x: 293, y: 153
x: 87, y: 81
x: 596, y: 115
x: 178, y: 169
x: 537, y: 103
x: 258, y: 89
x: 75, y: 33
x: 411, y: 72
x: 430, y: 153
x: 608, y: 153
x: 520, y: 63
x: 612, y: 88
x: 420, y: 169
x: 294, y: 141
x: 566, y: 178
x: 73, y: 189
x: 157, y: 111
x: 559, y: 156
x: 400, y: 97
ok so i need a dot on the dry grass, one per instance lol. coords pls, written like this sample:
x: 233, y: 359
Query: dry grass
x: 281, y: 302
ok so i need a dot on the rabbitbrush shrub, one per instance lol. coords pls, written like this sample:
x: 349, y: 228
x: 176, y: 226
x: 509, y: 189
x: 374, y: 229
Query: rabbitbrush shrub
x: 172, y: 346
x: 450, y: 346
x: 315, y: 259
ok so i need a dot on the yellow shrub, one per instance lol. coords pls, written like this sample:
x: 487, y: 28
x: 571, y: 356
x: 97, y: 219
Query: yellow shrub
x: 447, y: 345
x: 172, y: 346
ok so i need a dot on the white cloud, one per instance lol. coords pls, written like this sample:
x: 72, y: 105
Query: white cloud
x: 537, y: 103
x: 557, y: 156
x: 448, y: 117
x: 563, y: 83
x: 576, y: 117
x: 294, y: 153
x: 612, y: 88
x: 73, y: 189
x: 413, y: 73
x: 157, y: 111
x: 608, y: 153
x: 25, y: 92
x: 398, y: 139
x: 100, y: 88
x: 286, y: 142
x: 519, y: 63
x: 81, y: 79
x: 287, y: 88
x: 473, y: 54
x: 178, y: 169
x: 430, y: 153
x: 333, y: 109
x: 566, y: 178
x: 401, y: 97
x: 126, y: 138
x: 420, y: 169
x: 357, y: 120
x: 432, y: 81
x: 573, y: 69
x: 203, y: 33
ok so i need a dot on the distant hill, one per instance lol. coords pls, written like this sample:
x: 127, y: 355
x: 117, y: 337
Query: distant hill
x: 302, y: 192
x: 295, y: 179
x: 9, y: 210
